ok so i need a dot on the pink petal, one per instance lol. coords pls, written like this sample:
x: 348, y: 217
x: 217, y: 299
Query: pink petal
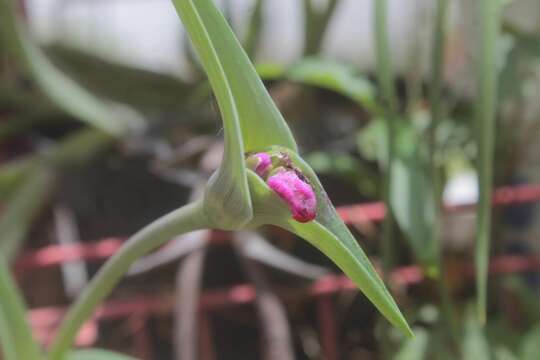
x: 261, y: 163
x: 265, y: 162
x: 298, y: 194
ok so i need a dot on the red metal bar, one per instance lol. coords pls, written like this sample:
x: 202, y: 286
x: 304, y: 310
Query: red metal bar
x: 55, y: 255
x: 506, y: 195
x: 242, y: 294
x: 45, y: 320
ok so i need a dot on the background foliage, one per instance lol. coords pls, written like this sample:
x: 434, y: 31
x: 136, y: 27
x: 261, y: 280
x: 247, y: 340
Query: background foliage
x: 118, y: 146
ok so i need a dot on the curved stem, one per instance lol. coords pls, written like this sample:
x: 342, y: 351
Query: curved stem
x: 435, y: 93
x: 188, y: 218
x: 385, y: 78
x: 490, y: 13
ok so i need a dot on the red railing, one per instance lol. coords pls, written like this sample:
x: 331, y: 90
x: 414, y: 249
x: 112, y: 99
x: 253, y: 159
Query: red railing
x: 137, y: 309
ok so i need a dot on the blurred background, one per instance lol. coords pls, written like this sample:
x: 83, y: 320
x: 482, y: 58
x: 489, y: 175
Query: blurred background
x: 70, y: 193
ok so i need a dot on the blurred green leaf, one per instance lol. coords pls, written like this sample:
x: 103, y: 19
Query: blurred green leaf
x: 502, y: 353
x: 411, y: 198
x: 22, y: 208
x: 475, y: 345
x: 330, y: 236
x: 12, y: 173
x: 316, y: 21
x: 337, y: 77
x: 255, y: 24
x: 411, y: 187
x: 528, y: 298
x: 16, y: 335
x: 347, y: 167
x: 270, y: 71
x: 530, y: 348
x: 414, y: 348
x: 522, y: 56
x: 144, y: 90
x: 371, y: 141
x: 486, y: 109
x: 97, y: 354
x: 62, y: 90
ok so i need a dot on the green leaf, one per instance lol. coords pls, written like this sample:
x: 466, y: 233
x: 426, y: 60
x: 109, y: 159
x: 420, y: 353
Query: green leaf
x: 337, y: 77
x: 414, y: 348
x: 326, y: 74
x: 503, y: 353
x: 530, y: 348
x: 22, y: 208
x: 475, y: 345
x: 411, y: 198
x: 147, y: 91
x: 255, y: 23
x: 411, y: 187
x: 12, y: 173
x: 526, y: 296
x: 250, y: 118
x: 240, y: 92
x: 316, y: 20
x: 16, y: 336
x: 62, y: 90
x: 372, y: 140
x: 271, y: 71
x: 329, y: 235
x: 489, y: 18
x: 97, y: 354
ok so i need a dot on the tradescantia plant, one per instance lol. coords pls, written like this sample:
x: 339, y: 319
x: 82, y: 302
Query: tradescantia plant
x: 262, y: 180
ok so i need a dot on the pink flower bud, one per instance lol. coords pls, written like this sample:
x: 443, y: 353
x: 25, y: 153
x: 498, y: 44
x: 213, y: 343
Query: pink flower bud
x: 297, y: 193
x: 260, y: 163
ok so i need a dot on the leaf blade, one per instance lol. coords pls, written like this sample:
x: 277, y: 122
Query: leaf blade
x: 22, y: 208
x: 486, y: 121
x: 75, y: 100
x: 261, y: 123
x: 13, y: 315
x: 414, y: 348
x: 331, y: 237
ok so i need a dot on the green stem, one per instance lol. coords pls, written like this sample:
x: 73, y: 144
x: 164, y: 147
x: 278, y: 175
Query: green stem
x: 252, y: 38
x: 436, y: 116
x: 185, y: 219
x: 388, y: 97
x: 485, y: 117
x: 436, y: 76
x: 315, y: 25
